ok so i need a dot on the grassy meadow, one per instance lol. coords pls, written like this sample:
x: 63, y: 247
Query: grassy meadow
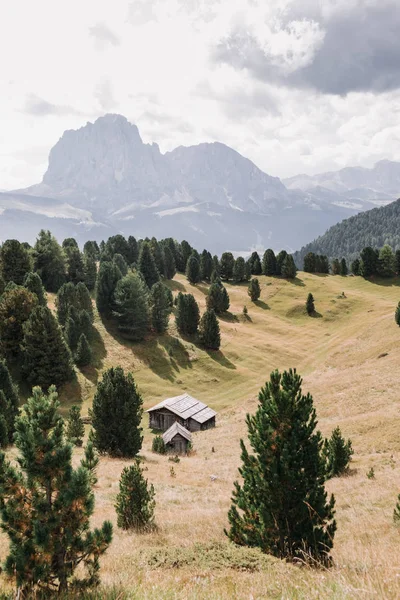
x: 349, y: 357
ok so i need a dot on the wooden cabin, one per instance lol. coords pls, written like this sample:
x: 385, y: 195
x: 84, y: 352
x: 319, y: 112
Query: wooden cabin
x: 177, y: 439
x: 185, y: 410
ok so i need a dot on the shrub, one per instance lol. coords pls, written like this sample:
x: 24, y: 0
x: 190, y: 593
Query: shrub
x: 158, y: 445
x: 135, y: 502
x: 337, y: 452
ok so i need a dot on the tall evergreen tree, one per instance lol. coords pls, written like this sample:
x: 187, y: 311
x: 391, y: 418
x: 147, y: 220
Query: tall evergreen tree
x: 239, y: 270
x: 309, y: 265
x: 83, y: 299
x: 216, y: 267
x: 169, y: 263
x: 132, y: 307
x: 310, y: 306
x: 369, y: 262
x: 75, y: 265
x: 206, y: 265
x: 33, y: 283
x: 158, y: 255
x: 133, y: 250
x: 254, y: 290
x: 72, y: 329
x: 186, y: 250
x: 386, y: 263
x: 209, y: 332
x: 288, y: 269
x: 343, y: 267
x: 135, y: 501
x: 117, y: 413
x: 15, y: 262
x: 355, y: 266
x: 117, y: 244
x: 193, y: 270
x: 16, y: 306
x: 147, y: 265
x: 90, y: 271
x: 187, y: 314
x: 269, y: 266
x: 66, y: 298
x: 397, y: 262
x: 90, y: 461
x: 49, y: 261
x: 107, y: 279
x: 337, y: 453
x: 46, y: 506
x: 160, y: 307
x: 119, y: 260
x: 226, y: 266
x: 83, y: 354
x: 91, y: 248
x: 9, y: 401
x: 75, y: 428
x: 282, y: 506
x: 217, y: 298
x: 46, y: 357
x: 255, y: 264
x: 280, y: 259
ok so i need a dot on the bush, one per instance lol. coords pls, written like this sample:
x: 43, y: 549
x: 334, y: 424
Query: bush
x: 158, y: 445
x: 75, y: 427
x: 337, y: 452
x: 135, y: 502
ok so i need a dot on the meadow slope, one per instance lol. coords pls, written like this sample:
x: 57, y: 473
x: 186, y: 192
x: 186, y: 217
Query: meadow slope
x: 348, y: 355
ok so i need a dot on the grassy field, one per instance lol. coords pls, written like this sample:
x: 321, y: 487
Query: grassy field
x: 349, y: 355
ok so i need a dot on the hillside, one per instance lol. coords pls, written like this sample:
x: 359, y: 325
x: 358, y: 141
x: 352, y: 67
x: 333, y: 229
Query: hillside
x: 349, y: 358
x: 375, y: 228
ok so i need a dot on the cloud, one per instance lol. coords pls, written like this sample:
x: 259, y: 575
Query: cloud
x: 105, y: 95
x: 141, y: 12
x: 36, y: 106
x: 332, y: 47
x: 104, y: 35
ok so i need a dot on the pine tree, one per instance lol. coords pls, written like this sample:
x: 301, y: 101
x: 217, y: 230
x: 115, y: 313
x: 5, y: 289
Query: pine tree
x: 83, y: 354
x: 117, y: 244
x: 46, y: 506
x: 193, y: 270
x: 255, y: 264
x: 310, y: 307
x: 71, y: 329
x: 206, y: 265
x: 282, y: 506
x: 75, y: 428
x: 132, y: 307
x: 309, y: 265
x: 159, y: 307
x: 83, y: 299
x: 386, y: 263
x: 337, y: 453
x: 186, y: 250
x: 9, y: 401
x: 135, y: 502
x: 49, y: 261
x: 187, y: 314
x: 33, y: 283
x: 226, y: 266
x: 288, y: 269
x: 66, y: 298
x: 355, y: 266
x: 158, y: 445
x: 254, y: 290
x: 369, y: 262
x: 16, y: 306
x: 133, y: 250
x: 4, y: 434
x: 15, y: 262
x: 107, y: 279
x: 280, y: 259
x: 147, y: 265
x: 91, y: 248
x: 120, y: 262
x: 85, y: 323
x: 343, y: 267
x: 209, y: 332
x: 75, y: 265
x: 117, y: 413
x: 217, y: 298
x: 335, y: 266
x: 90, y: 271
x: 158, y: 255
x: 46, y: 357
x: 90, y: 462
x: 169, y: 263
x: 269, y: 266
x: 397, y: 315
x: 397, y: 262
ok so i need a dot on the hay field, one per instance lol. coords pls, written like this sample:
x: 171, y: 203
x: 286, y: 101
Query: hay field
x: 348, y: 355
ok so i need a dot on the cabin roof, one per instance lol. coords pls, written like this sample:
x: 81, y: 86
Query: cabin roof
x: 175, y: 429
x: 185, y: 407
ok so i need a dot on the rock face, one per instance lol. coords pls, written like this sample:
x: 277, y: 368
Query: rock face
x: 208, y: 194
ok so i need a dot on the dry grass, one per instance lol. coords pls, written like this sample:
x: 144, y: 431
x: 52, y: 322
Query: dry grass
x: 337, y: 352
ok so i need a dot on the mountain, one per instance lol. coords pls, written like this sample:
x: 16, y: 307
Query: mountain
x: 375, y: 228
x: 104, y: 178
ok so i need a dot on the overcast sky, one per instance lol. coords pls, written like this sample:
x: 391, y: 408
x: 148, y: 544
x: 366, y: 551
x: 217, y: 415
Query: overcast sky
x: 298, y: 86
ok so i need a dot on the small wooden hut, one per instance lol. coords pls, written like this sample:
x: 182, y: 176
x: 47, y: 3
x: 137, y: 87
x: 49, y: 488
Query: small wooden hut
x: 177, y: 439
x: 185, y: 410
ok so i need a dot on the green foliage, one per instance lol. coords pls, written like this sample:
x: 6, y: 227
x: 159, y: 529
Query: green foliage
x: 107, y: 279
x: 9, y: 401
x: 16, y: 306
x: 209, y: 332
x: 66, y: 298
x: 288, y: 269
x: 226, y: 266
x: 133, y: 251
x: 254, y: 290
x: 75, y: 428
x: 316, y: 263
x: 397, y: 315
x: 49, y: 261
x: 337, y: 453
x: 369, y: 262
x: 33, y: 283
x: 83, y: 299
x: 282, y: 506
x: 71, y: 329
x: 343, y: 267
x: 91, y: 248
x: 169, y: 263
x: 46, y: 357
x: 217, y: 298
x: 83, y: 354
x: 335, y: 266
x: 186, y: 251
x: 206, y: 265
x: 117, y: 244
x: 132, y: 311
x: 158, y: 445
x: 255, y: 264
x: 160, y: 307
x: 135, y: 502
x: 187, y: 314
x: 90, y: 271
x: 147, y: 265
x: 371, y: 473
x: 117, y: 412
x: 386, y: 262
x: 355, y: 266
x: 75, y: 264
x: 310, y: 307
x: 239, y: 270
x: 193, y: 270
x: 90, y: 462
x: 15, y: 262
x: 46, y: 506
x: 121, y: 264
x: 269, y: 263
x: 280, y: 259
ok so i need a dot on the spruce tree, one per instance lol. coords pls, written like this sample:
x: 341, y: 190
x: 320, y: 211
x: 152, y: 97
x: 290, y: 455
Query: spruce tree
x: 75, y: 264
x: 85, y: 323
x: 147, y: 265
x: 90, y: 461
x: 159, y: 307
x: 75, y: 428
x: 83, y: 354
x: 46, y: 357
x: 49, y: 261
x: 206, y: 265
x: 369, y: 262
x: 209, y: 332
x: 16, y: 305
x: 46, y: 506
x: 310, y: 307
x: 33, y: 283
x: 133, y: 250
x: 117, y: 413
x: 83, y: 299
x: 343, y: 267
x: 135, y: 502
x: 193, y: 270
x: 386, y: 263
x: 71, y: 329
x: 121, y: 264
x: 132, y: 311
x: 337, y: 453
x: 218, y: 298
x: 239, y: 270
x: 66, y: 298
x: 107, y: 279
x: 269, y: 266
x: 186, y: 250
x: 226, y: 266
x: 397, y: 315
x: 216, y: 267
x: 91, y: 248
x: 247, y: 271
x: 117, y: 244
x: 169, y: 263
x: 355, y: 266
x: 187, y: 314
x: 280, y: 259
x: 281, y: 506
x: 158, y: 255
x: 288, y: 269
x: 397, y: 262
x: 309, y: 265
x: 90, y: 271
x: 254, y: 290
x: 9, y: 401
x: 15, y: 262
x: 255, y: 264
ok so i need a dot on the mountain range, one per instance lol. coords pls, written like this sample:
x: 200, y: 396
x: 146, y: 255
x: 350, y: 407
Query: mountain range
x: 103, y: 179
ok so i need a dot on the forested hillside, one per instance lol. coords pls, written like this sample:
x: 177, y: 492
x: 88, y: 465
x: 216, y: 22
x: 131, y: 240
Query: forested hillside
x: 373, y: 228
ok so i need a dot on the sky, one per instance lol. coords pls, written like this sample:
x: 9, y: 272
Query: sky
x: 297, y: 86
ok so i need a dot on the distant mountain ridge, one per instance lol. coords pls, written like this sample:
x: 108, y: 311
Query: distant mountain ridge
x: 102, y: 179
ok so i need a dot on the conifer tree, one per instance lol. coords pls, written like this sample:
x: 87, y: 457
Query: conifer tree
x: 75, y: 428
x: 169, y: 263
x: 335, y: 266
x: 71, y: 329
x: 158, y: 445
x: 49, y: 261
x: 206, y: 265
x: 255, y: 264
x: 355, y: 266
x: 16, y: 306
x: 186, y: 250
x: 74, y: 263
x: 85, y: 323
x: 147, y: 265
x: 239, y: 270
x: 397, y: 315
x: 369, y: 262
x: 83, y: 354
x: 218, y: 298
x: 46, y: 357
x: 158, y: 255
x: 187, y: 314
x: 90, y: 461
x: 343, y: 267
x: 288, y: 269
x: 15, y: 262
x: 117, y: 244
x: 83, y: 299
x: 121, y: 264
x: 280, y: 259
x: 135, y: 502
x: 91, y: 248
x: 9, y: 401
x: 254, y: 290
x: 337, y: 453
x: 107, y: 279
x: 209, y: 332
x: 66, y: 298
x: 46, y: 506
x: 397, y: 262
x: 133, y: 250
x: 386, y: 263
x: 193, y: 270
x: 282, y: 506
x: 269, y: 266
x: 132, y: 311
x: 310, y: 307
x: 90, y: 271
x: 160, y: 308
x: 309, y: 265
x: 216, y: 266
x: 117, y: 413
x: 226, y: 266
x: 33, y: 283
x: 4, y: 408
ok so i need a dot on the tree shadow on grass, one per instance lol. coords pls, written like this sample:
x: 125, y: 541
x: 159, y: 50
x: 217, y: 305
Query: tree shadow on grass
x: 262, y: 304
x: 175, y: 286
x: 316, y: 315
x: 221, y: 359
x: 228, y: 317
x: 297, y: 281
x: 99, y: 353
x: 203, y: 288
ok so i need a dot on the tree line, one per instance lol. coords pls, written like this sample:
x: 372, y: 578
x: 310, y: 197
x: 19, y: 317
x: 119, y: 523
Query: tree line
x: 371, y: 262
